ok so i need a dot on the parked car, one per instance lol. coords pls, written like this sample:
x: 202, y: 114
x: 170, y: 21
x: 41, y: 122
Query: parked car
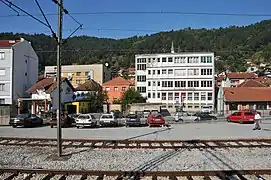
x: 184, y: 116
x: 204, y: 116
x: 155, y: 120
x: 108, y: 119
x: 241, y: 117
x: 132, y: 120
x: 205, y: 109
x: 26, y: 120
x: 86, y: 120
x: 66, y: 121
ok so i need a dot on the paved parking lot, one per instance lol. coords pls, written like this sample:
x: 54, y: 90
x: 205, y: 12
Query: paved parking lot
x: 216, y: 130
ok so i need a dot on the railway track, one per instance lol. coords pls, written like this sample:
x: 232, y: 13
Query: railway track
x: 29, y: 174
x: 139, y: 144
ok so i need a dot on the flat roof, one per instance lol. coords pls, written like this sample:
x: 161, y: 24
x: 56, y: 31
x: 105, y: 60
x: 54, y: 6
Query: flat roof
x: 174, y: 54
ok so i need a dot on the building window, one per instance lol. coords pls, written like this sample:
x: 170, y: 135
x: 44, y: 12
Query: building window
x: 141, y: 78
x: 203, y: 96
x: 149, y: 72
x: 158, y: 83
x: 107, y: 89
x: 206, y: 72
x: 196, y: 96
x: 210, y: 97
x: 179, y: 60
x: 78, y: 73
x: 25, y: 61
x: 196, y: 83
x: 206, y: 59
x: 177, y: 84
x: 170, y: 96
x: 170, y: 71
x: 164, y: 96
x: 149, y: 95
x: 158, y: 95
x: 123, y: 88
x: 153, y: 71
x: 164, y: 59
x: 153, y: 95
x: 189, y: 96
x: 2, y: 55
x: 87, y: 73
x: 149, y: 83
x: 149, y: 60
x: 193, y: 60
x: 158, y: 59
x: 177, y: 96
x: 190, y: 83
x: 183, y: 83
x: 141, y: 60
x: 164, y: 83
x: 2, y: 101
x: 170, y: 59
x: 180, y: 72
x: 193, y: 72
x: 164, y: 71
x: 141, y: 67
x: 141, y: 89
x: 206, y: 84
x: 153, y: 83
x: 2, y: 87
x: 25, y: 74
x: 158, y: 71
x: 170, y: 84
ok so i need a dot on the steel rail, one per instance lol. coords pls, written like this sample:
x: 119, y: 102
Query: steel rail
x: 138, y: 174
x: 135, y: 144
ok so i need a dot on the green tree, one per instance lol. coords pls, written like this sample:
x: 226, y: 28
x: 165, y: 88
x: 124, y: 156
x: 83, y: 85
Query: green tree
x: 131, y: 96
x: 97, y: 98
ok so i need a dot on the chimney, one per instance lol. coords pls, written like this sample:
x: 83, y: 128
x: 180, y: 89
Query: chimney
x: 172, y: 48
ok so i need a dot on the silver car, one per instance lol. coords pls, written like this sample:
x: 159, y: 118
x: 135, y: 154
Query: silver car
x: 108, y: 119
x: 184, y: 116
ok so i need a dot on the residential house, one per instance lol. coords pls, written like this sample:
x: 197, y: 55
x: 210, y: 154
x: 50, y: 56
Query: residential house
x: 252, y: 83
x: 241, y: 98
x: 177, y: 80
x: 18, y: 72
x: 44, y: 94
x: 116, y: 88
x: 79, y: 74
x: 81, y: 100
x: 236, y: 78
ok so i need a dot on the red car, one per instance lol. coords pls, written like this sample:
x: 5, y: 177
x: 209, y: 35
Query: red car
x: 241, y: 117
x: 155, y: 120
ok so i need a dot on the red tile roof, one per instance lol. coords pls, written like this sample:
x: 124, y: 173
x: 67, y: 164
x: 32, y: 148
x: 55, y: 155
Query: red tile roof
x: 48, y: 84
x: 252, y: 83
x: 8, y: 43
x: 117, y: 81
x: 247, y: 94
x: 241, y: 75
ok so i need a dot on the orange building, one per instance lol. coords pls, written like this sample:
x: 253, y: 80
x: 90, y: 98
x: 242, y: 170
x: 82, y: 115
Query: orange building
x: 116, y: 87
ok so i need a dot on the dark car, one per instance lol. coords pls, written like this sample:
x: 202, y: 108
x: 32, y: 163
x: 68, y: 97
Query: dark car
x: 204, y: 116
x: 26, y: 120
x: 132, y: 120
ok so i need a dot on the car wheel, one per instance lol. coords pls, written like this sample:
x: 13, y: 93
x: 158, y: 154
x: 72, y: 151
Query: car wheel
x: 52, y: 126
x: 241, y: 122
x: 41, y: 123
x: 77, y: 127
x: 14, y: 126
x: 228, y: 120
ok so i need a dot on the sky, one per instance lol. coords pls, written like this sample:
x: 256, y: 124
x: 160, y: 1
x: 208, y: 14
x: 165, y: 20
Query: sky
x: 122, y: 25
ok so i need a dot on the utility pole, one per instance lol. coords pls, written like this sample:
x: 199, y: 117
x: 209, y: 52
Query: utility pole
x: 59, y: 42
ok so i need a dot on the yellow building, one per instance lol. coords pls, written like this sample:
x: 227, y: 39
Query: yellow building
x: 77, y: 107
x: 79, y: 74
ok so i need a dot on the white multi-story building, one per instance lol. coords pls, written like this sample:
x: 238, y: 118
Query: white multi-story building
x: 177, y: 79
x: 18, y: 71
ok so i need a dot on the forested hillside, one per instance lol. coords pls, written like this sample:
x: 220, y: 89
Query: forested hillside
x: 234, y: 44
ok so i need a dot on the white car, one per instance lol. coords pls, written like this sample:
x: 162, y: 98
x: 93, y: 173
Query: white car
x: 184, y: 116
x: 84, y: 120
x: 108, y: 119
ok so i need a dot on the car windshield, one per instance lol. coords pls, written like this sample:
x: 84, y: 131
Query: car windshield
x: 107, y: 116
x: 22, y: 116
x: 132, y: 116
x: 83, y: 116
x: 157, y: 116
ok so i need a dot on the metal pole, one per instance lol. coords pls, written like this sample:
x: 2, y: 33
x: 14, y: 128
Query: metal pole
x: 59, y: 133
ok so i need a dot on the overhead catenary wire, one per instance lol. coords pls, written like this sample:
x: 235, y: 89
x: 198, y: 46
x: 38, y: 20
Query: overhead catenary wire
x: 150, y: 12
x: 44, y: 16
x: 8, y: 5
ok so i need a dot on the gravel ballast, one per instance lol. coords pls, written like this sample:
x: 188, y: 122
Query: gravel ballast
x: 135, y: 160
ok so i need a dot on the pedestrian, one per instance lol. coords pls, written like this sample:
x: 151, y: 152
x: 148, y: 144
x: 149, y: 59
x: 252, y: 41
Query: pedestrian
x: 257, y: 118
